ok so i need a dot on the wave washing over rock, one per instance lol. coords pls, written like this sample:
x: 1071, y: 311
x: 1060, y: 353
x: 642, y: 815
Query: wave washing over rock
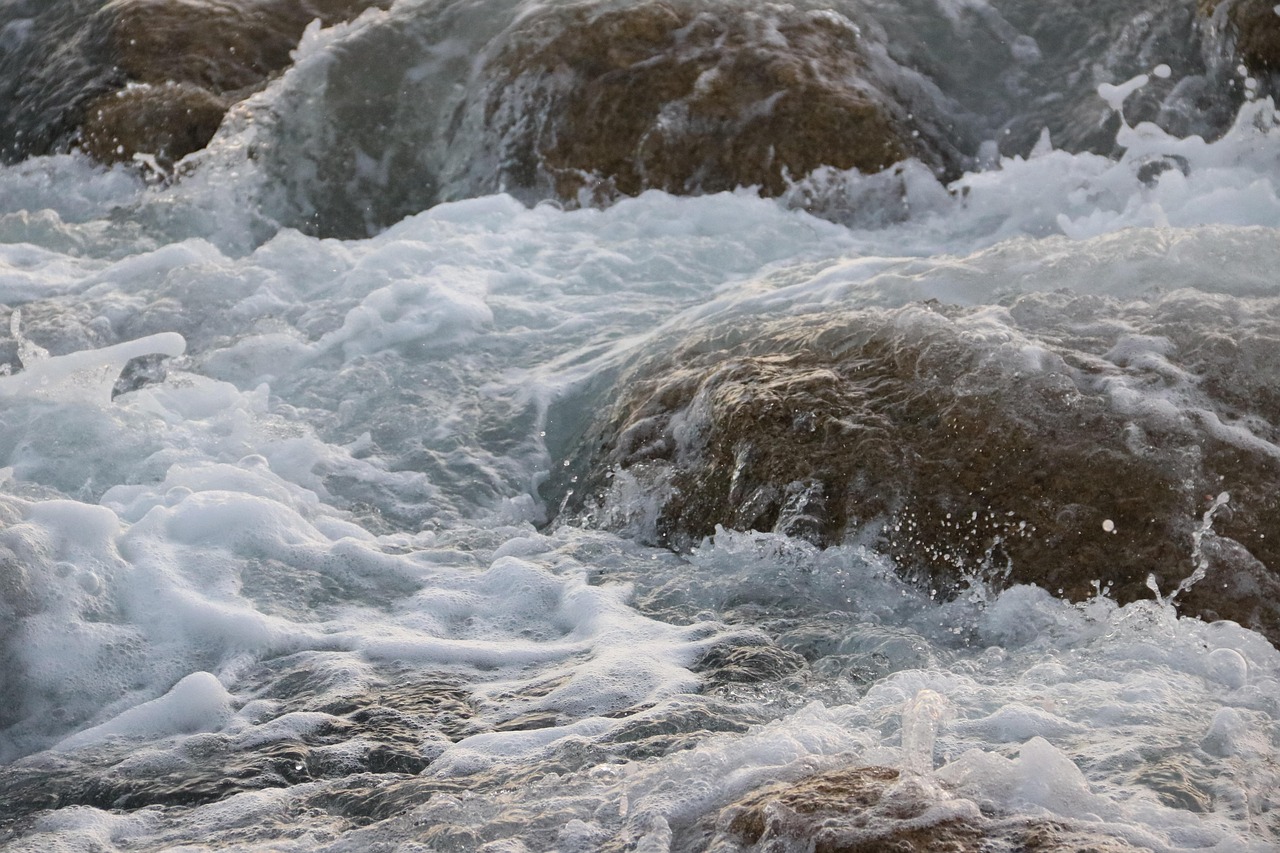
x: 604, y: 426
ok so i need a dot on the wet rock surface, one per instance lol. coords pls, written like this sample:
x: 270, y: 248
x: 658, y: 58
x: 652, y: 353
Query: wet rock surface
x: 368, y: 750
x: 1067, y: 459
x: 150, y: 76
x: 696, y: 98
x: 384, y: 733
x: 167, y: 121
x: 1252, y: 28
x: 586, y: 101
x: 869, y: 809
x: 186, y: 61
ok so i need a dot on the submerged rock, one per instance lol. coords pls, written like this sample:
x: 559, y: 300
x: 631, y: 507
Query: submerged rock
x: 868, y: 809
x: 694, y: 97
x: 379, y: 736
x: 1069, y: 459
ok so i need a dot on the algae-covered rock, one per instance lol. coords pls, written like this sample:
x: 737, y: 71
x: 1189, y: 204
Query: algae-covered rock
x: 692, y: 98
x: 1016, y: 461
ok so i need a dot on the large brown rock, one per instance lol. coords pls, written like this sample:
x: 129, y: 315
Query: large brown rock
x: 691, y: 97
x: 1254, y: 28
x: 182, y: 63
x: 169, y: 121
x: 955, y: 457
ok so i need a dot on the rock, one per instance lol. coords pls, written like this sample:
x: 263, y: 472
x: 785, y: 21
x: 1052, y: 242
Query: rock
x: 156, y: 76
x: 380, y: 736
x: 692, y: 98
x: 168, y: 120
x: 747, y: 662
x: 584, y: 102
x: 223, y: 46
x: 43, y: 91
x: 957, y: 461
x: 868, y: 809
x: 1254, y: 28
x: 194, y: 58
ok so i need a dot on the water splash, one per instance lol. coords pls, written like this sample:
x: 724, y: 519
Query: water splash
x: 1198, y: 558
x: 921, y: 719
x: 86, y: 376
x: 28, y: 351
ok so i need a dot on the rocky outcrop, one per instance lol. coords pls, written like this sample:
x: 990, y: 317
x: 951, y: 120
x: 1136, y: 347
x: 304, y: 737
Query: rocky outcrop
x: 691, y: 97
x: 957, y: 457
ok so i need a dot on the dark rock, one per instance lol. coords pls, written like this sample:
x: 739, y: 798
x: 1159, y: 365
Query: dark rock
x: 896, y: 425
x: 1014, y: 69
x: 223, y: 46
x: 57, y: 63
x: 693, y: 98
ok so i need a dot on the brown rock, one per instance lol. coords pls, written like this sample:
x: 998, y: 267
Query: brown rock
x: 168, y: 120
x: 222, y: 45
x: 690, y: 98
x: 894, y: 423
x: 1254, y: 26
x: 193, y: 59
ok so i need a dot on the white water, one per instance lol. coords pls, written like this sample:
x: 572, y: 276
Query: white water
x: 338, y: 476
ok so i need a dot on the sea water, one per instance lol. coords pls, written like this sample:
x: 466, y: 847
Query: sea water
x: 276, y: 571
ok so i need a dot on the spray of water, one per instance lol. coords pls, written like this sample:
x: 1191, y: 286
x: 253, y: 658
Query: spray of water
x: 1198, y: 558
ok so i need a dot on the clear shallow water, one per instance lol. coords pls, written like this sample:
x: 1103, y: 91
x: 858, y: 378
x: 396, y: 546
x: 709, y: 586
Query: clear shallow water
x: 295, y: 588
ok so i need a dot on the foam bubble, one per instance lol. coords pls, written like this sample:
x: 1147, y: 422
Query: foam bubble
x: 197, y: 703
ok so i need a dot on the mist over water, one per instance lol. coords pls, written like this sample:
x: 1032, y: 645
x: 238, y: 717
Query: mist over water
x: 361, y: 490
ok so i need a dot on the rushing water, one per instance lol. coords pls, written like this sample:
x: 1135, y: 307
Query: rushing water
x: 305, y: 576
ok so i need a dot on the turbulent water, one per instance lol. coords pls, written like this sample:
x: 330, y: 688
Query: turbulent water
x: 287, y: 560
